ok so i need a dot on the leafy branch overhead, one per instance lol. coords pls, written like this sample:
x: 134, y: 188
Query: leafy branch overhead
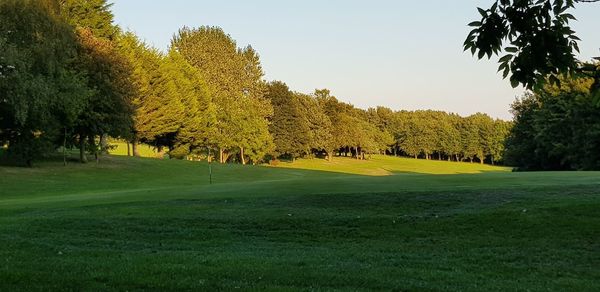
x: 534, y: 38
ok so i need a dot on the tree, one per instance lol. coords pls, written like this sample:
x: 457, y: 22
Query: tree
x: 95, y: 15
x: 145, y: 63
x: 109, y: 110
x: 476, y: 130
x: 236, y: 76
x: 93, y: 20
x: 407, y: 134
x: 521, y: 143
x: 215, y: 55
x: 319, y: 134
x: 496, y: 141
x: 537, y: 38
x: 196, y: 124
x: 418, y: 134
x: 331, y: 108
x: 40, y: 94
x: 289, y: 124
x: 387, y: 123
x: 557, y: 128
x: 452, y: 143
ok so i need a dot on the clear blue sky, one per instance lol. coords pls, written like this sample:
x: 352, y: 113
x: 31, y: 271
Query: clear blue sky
x: 399, y: 54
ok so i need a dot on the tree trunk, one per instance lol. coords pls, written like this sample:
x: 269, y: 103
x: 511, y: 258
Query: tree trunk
x: 104, y: 144
x: 128, y: 151
x: 134, y: 147
x: 95, y: 149
x: 65, y: 148
x: 242, y: 156
x: 221, y: 155
x: 82, y: 155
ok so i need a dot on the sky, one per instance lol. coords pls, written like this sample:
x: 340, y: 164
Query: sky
x: 399, y: 54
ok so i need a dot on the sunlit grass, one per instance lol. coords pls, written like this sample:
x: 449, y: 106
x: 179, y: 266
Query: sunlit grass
x: 380, y: 165
x: 120, y: 148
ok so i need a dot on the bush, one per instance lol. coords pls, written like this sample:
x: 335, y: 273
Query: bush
x: 179, y: 153
x: 25, y: 150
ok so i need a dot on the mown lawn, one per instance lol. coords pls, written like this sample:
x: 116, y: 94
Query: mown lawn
x: 120, y: 148
x: 379, y: 165
x: 144, y: 224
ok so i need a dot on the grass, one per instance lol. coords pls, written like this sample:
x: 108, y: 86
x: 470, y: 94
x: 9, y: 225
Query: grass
x: 146, y: 224
x: 379, y: 165
x: 120, y: 148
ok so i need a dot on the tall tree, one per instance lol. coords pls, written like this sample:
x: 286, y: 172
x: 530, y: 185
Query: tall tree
x: 496, y: 140
x: 40, y: 94
x: 196, y: 124
x: 236, y: 77
x: 476, y: 129
x: 109, y: 110
x: 289, y: 124
x: 145, y: 62
x: 319, y: 135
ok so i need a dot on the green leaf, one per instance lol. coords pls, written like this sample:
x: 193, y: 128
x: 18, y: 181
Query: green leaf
x: 506, y: 58
x: 511, y: 49
x: 475, y: 23
x: 596, y: 97
x: 482, y: 12
x: 569, y: 16
x: 501, y: 67
x: 576, y: 47
x: 481, y: 54
x: 514, y: 82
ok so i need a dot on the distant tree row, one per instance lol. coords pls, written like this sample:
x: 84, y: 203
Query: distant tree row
x: 319, y: 124
x: 69, y: 77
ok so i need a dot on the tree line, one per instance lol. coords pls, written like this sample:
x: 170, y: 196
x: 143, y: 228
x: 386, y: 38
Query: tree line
x: 556, y: 128
x: 69, y: 77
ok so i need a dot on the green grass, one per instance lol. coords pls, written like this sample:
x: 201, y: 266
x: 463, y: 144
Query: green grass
x: 147, y: 224
x: 379, y: 165
x: 120, y: 148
